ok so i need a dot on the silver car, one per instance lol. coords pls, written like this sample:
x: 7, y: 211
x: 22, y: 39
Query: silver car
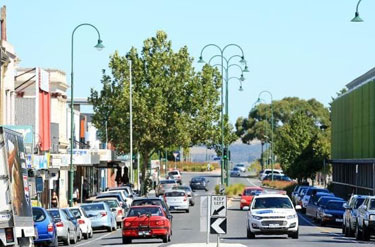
x: 188, y: 191
x: 115, y: 207
x: 66, y: 230
x: 100, y: 215
x: 177, y: 200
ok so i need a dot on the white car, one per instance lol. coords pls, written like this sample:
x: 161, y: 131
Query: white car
x: 269, y: 171
x: 241, y: 167
x: 310, y: 191
x: 177, y: 200
x: 272, y: 214
x: 83, y: 221
x: 124, y: 195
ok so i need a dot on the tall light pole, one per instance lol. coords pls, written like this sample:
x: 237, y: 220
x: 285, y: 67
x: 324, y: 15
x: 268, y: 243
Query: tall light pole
x: 98, y: 46
x: 272, y: 124
x: 357, y: 18
x: 224, y: 159
x: 131, y: 119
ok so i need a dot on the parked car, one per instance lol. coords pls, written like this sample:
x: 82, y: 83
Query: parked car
x: 123, y: 202
x: 188, y: 191
x: 177, y: 200
x: 146, y: 222
x: 272, y: 214
x: 301, y: 195
x: 100, y: 215
x: 277, y: 177
x: 46, y: 228
x: 248, y: 195
x: 141, y: 201
x: 296, y: 192
x: 176, y: 175
x: 165, y: 185
x: 73, y: 219
x: 128, y: 189
x: 115, y: 207
x: 83, y: 221
x: 332, y: 213
x: 66, y: 230
x: 312, y: 205
x: 310, y: 191
x: 125, y: 198
x: 350, y: 215
x: 365, y: 226
x: 269, y: 171
x: 322, y: 203
x: 235, y: 172
x: 199, y: 183
x: 241, y: 167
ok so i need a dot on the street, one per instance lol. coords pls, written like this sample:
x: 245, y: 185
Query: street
x: 186, y: 227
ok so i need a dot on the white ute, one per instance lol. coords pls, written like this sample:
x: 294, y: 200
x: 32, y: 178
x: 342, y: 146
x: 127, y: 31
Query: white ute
x: 272, y: 214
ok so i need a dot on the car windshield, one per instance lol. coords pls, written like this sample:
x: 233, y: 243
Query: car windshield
x: 38, y: 215
x: 112, y: 203
x: 325, y: 199
x: 154, y: 211
x: 358, y: 202
x: 251, y: 192
x: 272, y: 202
x: 240, y: 165
x: 76, y: 212
x: 311, y: 191
x: 167, y: 182
x: 93, y: 207
x: 236, y: 169
x: 174, y: 194
x: 335, y: 205
x: 54, y: 213
x: 197, y: 179
x: 173, y: 173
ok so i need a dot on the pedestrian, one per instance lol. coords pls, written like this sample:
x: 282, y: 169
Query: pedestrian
x: 54, y: 200
x: 75, y: 196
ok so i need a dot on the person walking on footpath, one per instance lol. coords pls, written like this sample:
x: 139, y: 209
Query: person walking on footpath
x: 54, y: 200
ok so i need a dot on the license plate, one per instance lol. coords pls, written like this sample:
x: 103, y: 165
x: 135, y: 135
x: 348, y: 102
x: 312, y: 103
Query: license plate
x: 143, y: 233
x: 274, y: 225
x: 339, y: 220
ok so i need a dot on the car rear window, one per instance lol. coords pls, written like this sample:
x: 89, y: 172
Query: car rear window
x: 38, y: 215
x: 76, y: 212
x: 173, y: 173
x: 93, y: 207
x: 154, y: 211
x: 174, y: 194
x: 251, y: 192
x: 112, y: 203
x: 54, y: 213
x: 146, y: 202
x: 198, y: 179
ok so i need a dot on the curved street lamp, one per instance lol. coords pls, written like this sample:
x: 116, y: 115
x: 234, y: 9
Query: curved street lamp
x: 357, y: 18
x: 224, y: 161
x: 272, y: 120
x: 98, y: 46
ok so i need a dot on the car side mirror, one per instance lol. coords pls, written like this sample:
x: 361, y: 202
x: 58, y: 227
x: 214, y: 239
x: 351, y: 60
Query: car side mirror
x: 298, y: 207
x: 246, y: 208
x: 113, y: 209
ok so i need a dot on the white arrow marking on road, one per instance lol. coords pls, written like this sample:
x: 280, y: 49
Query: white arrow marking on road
x: 216, y: 225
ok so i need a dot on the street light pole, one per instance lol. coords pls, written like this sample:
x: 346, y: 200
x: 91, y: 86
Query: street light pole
x: 99, y: 46
x: 131, y: 119
x: 272, y: 125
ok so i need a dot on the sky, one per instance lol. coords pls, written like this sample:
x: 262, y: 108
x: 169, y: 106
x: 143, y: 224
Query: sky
x: 302, y: 48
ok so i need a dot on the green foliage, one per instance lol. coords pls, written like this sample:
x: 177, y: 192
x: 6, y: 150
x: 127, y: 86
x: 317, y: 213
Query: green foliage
x: 172, y: 104
x: 231, y: 190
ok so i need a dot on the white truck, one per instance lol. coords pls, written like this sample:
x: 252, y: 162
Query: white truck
x: 16, y: 220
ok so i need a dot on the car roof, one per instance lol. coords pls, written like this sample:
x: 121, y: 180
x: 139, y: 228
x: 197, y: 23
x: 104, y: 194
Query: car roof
x: 335, y: 200
x: 146, y: 206
x: 147, y: 198
x: 270, y: 195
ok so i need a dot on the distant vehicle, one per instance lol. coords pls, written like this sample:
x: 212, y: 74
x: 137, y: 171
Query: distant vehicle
x: 248, y: 195
x: 272, y: 214
x: 146, y: 222
x: 269, y: 171
x: 366, y: 213
x: 66, y: 230
x: 199, y: 183
x: 128, y: 189
x: 125, y: 197
x: 123, y: 203
x: 177, y: 200
x: 301, y: 194
x: 310, y: 191
x: 312, y: 205
x: 176, y: 175
x: 296, y: 191
x: 350, y: 215
x: 45, y: 225
x: 322, y: 203
x: 165, y: 185
x: 73, y: 219
x: 158, y: 201
x: 188, y: 191
x: 235, y: 172
x: 101, y: 216
x: 332, y: 213
x: 241, y: 167
x: 83, y: 220
x: 115, y: 207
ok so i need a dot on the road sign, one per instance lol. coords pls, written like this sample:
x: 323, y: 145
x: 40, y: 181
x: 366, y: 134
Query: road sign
x: 175, y: 154
x: 218, y: 225
x: 218, y: 206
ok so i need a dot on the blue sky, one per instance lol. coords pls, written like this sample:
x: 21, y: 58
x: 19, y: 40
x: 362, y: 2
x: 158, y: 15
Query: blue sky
x: 303, y: 48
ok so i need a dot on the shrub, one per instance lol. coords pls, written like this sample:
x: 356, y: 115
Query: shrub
x: 234, y: 189
x: 281, y: 185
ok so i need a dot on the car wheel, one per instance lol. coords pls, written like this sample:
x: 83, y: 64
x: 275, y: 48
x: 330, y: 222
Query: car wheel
x: 75, y: 239
x: 249, y: 234
x: 343, y: 229
x: 165, y: 239
x: 293, y: 235
x: 55, y: 243
x: 109, y: 229
x: 169, y: 237
x: 86, y: 235
x: 205, y: 189
x: 358, y: 234
x: 80, y: 235
x: 126, y: 240
x: 187, y: 210
x: 322, y: 223
x: 365, y: 233
x: 67, y: 240
x: 91, y: 233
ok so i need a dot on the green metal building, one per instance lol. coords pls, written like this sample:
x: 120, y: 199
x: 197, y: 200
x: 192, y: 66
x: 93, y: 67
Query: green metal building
x: 353, y: 138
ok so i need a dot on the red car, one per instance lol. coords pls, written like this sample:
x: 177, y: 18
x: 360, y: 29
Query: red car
x: 248, y: 194
x: 148, y: 221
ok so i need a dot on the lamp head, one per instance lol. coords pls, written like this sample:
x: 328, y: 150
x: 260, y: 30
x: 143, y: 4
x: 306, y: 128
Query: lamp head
x: 201, y: 60
x: 99, y: 46
x: 246, y: 69
x: 357, y: 18
x: 242, y: 78
x: 240, y: 89
x: 242, y: 60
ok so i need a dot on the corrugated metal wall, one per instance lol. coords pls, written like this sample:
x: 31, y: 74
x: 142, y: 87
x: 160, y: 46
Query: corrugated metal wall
x: 25, y: 111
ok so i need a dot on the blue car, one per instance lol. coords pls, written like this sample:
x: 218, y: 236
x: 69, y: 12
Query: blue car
x: 45, y: 225
x: 332, y: 212
x: 100, y: 215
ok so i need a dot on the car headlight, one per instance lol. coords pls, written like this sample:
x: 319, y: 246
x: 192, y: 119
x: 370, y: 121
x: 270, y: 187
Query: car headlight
x: 257, y: 217
x: 327, y: 215
x: 293, y: 216
x: 372, y: 217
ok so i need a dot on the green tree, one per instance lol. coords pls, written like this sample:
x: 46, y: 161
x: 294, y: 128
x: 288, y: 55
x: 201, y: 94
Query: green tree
x: 173, y: 105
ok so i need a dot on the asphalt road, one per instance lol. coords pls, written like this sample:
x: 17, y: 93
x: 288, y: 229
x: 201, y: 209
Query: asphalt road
x: 186, y: 228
